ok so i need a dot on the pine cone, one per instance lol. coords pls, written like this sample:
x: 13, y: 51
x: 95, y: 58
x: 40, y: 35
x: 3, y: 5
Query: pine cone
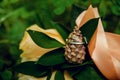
x: 75, y: 50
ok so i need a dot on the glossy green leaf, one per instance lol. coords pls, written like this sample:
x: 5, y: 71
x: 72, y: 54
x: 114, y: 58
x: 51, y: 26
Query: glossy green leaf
x: 89, y: 28
x: 49, y: 74
x: 43, y: 40
x: 61, y: 29
x: 73, y: 71
x: 52, y: 58
x: 31, y: 68
x: 69, y: 65
x: 88, y: 72
x: 59, y: 75
x: 76, y: 10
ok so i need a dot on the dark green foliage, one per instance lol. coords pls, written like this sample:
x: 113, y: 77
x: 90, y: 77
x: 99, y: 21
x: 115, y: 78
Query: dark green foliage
x: 31, y: 68
x: 49, y: 73
x: 88, y: 72
x: 61, y: 29
x: 52, y: 58
x: 69, y: 65
x: 43, y: 40
x: 76, y: 10
x: 89, y: 28
x: 59, y: 75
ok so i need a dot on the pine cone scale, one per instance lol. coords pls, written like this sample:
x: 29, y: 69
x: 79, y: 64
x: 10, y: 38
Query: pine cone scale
x: 75, y: 50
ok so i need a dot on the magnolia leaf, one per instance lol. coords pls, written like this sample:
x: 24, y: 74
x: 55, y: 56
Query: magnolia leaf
x: 50, y: 73
x: 69, y: 65
x: 76, y: 10
x: 59, y: 75
x: 52, y: 58
x: 89, y: 28
x: 43, y: 40
x: 31, y: 68
x: 88, y: 72
x: 61, y: 29
x: 73, y: 71
x: 49, y: 76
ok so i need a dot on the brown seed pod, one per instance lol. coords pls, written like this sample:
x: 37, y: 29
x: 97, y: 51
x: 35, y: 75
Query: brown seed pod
x: 75, y: 49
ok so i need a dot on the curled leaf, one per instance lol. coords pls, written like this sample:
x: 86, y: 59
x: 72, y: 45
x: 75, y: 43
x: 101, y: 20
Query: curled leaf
x: 31, y: 51
x: 43, y: 40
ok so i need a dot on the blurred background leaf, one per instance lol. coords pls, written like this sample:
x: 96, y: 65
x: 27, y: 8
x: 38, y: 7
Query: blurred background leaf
x: 17, y: 15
